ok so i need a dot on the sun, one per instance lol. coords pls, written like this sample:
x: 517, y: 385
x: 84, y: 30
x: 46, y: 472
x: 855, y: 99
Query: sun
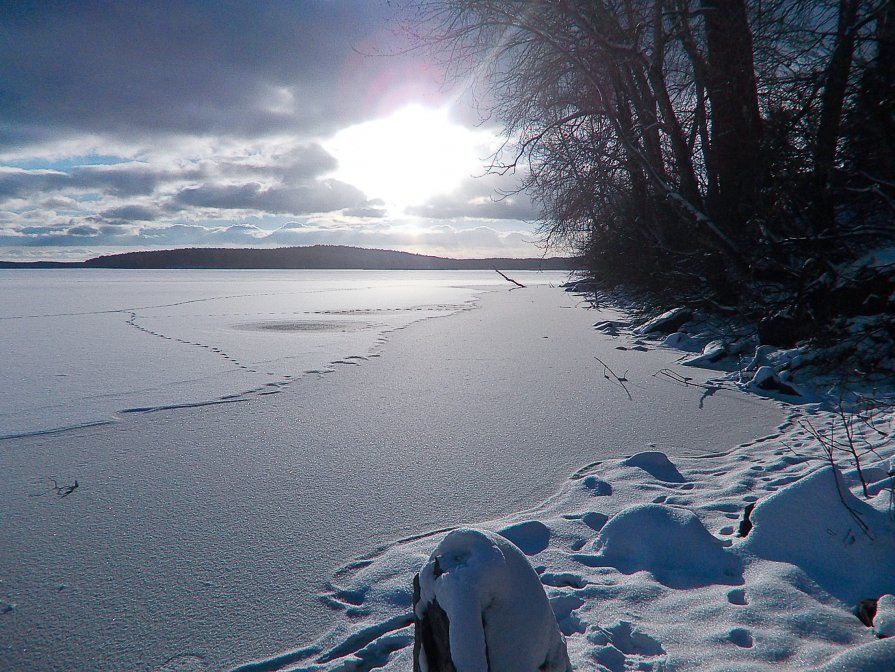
x: 410, y: 156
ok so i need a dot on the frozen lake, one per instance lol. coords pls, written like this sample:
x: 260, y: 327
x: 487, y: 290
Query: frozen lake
x: 201, y: 536
x: 82, y: 346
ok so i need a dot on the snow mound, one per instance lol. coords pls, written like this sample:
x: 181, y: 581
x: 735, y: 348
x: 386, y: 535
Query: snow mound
x: 818, y: 525
x: 531, y: 536
x: 657, y: 465
x: 672, y: 544
x: 874, y: 657
x: 500, y: 619
x: 884, y: 621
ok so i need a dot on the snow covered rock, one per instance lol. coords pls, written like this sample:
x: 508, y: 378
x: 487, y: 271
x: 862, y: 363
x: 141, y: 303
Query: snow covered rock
x: 767, y: 380
x: 679, y: 341
x: 666, y: 323
x: 672, y: 544
x: 610, y: 327
x: 580, y: 286
x: 761, y: 358
x: 712, y: 353
x: 480, y: 607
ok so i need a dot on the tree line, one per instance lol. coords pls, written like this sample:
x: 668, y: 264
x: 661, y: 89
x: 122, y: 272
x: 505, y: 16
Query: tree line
x: 736, y: 151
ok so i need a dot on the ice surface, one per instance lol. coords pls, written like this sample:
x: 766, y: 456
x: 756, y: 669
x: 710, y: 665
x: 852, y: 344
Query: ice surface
x: 83, y: 345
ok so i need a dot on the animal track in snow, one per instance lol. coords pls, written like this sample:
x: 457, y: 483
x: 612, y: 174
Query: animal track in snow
x: 741, y: 637
x: 132, y: 321
x: 737, y: 596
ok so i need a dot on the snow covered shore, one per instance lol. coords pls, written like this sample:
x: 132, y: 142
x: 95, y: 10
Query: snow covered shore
x: 756, y: 558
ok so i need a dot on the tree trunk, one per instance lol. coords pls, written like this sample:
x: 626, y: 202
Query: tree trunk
x: 736, y: 127
x: 832, y: 103
x: 680, y: 149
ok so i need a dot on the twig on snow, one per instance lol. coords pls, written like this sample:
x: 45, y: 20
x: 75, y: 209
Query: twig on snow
x: 686, y: 381
x: 64, y: 490
x: 609, y: 374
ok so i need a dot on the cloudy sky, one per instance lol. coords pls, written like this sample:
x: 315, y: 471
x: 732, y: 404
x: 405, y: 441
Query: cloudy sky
x: 129, y: 124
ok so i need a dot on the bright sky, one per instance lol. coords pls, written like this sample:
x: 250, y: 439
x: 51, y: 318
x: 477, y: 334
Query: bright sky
x: 140, y: 125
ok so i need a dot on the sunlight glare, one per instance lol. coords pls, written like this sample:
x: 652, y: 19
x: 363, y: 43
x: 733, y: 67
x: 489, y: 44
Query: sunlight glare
x: 409, y: 157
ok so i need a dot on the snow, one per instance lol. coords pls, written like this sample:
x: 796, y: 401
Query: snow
x: 871, y: 657
x: 657, y: 465
x: 636, y: 554
x: 884, y: 621
x: 653, y: 577
x: 642, y: 562
x: 671, y: 544
x: 819, y: 526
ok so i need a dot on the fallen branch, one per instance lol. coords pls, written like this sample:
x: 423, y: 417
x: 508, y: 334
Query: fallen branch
x: 686, y: 381
x: 609, y: 374
x: 518, y: 284
x: 64, y: 490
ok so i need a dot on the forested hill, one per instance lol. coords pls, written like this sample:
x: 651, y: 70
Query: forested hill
x: 312, y: 257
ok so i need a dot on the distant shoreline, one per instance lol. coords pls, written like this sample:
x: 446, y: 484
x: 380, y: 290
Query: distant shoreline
x: 330, y: 257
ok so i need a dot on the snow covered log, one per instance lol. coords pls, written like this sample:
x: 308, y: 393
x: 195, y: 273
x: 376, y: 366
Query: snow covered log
x: 480, y: 607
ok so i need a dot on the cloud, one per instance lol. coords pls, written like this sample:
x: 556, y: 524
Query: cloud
x: 273, y: 178
x: 140, y: 124
x: 131, y: 213
x: 318, y: 196
x: 490, y: 196
x: 118, y: 180
x: 137, y: 69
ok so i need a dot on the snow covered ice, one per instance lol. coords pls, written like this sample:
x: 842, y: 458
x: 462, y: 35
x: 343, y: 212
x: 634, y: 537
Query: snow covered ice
x: 84, y: 346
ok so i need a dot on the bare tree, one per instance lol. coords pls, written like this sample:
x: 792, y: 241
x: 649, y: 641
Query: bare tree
x: 704, y: 144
